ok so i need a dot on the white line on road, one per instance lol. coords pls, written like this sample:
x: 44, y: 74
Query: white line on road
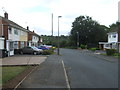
x: 67, y: 81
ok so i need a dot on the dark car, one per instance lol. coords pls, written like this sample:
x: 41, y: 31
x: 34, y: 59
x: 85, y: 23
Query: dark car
x: 31, y: 50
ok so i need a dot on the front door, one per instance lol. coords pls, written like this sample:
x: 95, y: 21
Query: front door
x: 10, y: 48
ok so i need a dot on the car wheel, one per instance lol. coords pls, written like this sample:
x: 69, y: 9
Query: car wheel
x: 35, y: 53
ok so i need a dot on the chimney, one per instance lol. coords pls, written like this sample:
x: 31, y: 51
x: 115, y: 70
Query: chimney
x: 27, y: 28
x: 6, y: 15
x: 33, y: 31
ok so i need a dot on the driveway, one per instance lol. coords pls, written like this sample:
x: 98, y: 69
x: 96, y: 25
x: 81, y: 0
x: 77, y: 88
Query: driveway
x: 22, y: 60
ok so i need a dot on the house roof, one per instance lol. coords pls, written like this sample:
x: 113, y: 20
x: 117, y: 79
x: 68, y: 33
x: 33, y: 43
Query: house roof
x: 33, y: 33
x: 13, y: 24
x: 112, y: 32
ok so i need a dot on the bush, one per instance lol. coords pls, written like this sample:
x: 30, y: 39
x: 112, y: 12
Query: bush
x: 47, y: 52
x: 110, y: 52
x: 82, y: 46
x: 71, y: 47
x: 93, y: 49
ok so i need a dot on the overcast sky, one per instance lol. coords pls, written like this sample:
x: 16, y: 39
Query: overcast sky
x: 37, y: 13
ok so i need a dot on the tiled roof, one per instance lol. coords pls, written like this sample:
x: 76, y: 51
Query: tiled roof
x: 33, y: 33
x: 13, y: 24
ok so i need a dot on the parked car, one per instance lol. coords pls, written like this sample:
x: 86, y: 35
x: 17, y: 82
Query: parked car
x: 48, y: 46
x: 43, y: 47
x: 31, y: 50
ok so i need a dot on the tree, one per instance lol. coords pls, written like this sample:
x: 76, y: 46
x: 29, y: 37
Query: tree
x: 89, y: 31
x: 114, y: 27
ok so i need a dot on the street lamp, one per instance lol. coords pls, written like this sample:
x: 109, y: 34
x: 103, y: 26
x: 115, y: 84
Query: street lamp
x: 77, y: 39
x: 58, y: 36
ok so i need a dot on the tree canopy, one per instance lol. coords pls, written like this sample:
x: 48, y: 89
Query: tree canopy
x: 114, y: 27
x: 87, y: 31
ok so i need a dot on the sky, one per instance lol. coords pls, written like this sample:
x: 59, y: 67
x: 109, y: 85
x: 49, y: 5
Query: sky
x: 37, y: 14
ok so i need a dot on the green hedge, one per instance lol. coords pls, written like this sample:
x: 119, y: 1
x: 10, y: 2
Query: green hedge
x: 110, y: 52
x: 47, y: 52
x: 83, y: 46
x: 93, y: 49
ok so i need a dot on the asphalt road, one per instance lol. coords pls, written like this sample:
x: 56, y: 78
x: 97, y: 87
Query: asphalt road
x: 84, y: 70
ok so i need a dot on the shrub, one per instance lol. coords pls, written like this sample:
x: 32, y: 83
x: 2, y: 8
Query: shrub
x: 117, y: 55
x: 93, y: 49
x: 110, y: 52
x: 82, y: 46
x: 47, y: 52
x: 71, y: 47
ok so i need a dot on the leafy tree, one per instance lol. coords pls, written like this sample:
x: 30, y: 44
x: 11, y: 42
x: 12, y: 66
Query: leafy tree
x: 87, y: 31
x: 114, y: 27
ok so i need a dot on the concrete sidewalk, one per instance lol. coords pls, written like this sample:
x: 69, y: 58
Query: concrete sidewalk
x: 22, y: 60
x: 50, y: 74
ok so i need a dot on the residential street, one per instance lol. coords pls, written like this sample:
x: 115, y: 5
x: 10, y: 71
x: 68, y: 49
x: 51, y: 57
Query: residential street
x: 84, y: 70
x: 87, y: 71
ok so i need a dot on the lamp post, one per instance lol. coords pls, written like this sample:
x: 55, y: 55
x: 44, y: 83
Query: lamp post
x: 58, y: 37
x: 77, y: 39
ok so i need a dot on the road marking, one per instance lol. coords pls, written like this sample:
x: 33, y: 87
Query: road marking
x: 67, y: 81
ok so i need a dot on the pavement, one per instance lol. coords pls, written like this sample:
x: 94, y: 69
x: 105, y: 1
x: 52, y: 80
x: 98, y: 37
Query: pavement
x: 22, y: 60
x: 50, y: 74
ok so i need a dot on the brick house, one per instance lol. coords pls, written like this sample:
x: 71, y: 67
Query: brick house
x: 14, y: 35
x: 33, y: 38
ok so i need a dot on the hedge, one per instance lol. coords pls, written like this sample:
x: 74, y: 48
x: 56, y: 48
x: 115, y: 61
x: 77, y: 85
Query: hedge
x: 110, y: 52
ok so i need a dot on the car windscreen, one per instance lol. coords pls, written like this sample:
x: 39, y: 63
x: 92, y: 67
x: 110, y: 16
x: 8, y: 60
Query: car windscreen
x: 35, y: 48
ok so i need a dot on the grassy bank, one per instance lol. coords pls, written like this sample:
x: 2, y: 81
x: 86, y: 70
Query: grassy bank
x: 9, y: 73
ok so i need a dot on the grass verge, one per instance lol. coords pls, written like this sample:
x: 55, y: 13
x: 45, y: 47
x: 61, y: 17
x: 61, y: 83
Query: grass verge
x: 9, y: 73
x: 117, y: 55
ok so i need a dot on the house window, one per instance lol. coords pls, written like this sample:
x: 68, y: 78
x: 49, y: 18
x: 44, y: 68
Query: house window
x: 22, y: 44
x: 10, y: 30
x: 16, y: 32
x: 114, y: 36
x: 107, y: 45
x: 15, y: 45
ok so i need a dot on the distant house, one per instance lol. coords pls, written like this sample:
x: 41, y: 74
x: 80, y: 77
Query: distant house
x: 33, y: 38
x: 113, y: 41
x: 14, y: 35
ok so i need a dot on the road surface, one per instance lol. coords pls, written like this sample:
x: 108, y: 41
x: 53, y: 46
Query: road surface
x: 84, y: 70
